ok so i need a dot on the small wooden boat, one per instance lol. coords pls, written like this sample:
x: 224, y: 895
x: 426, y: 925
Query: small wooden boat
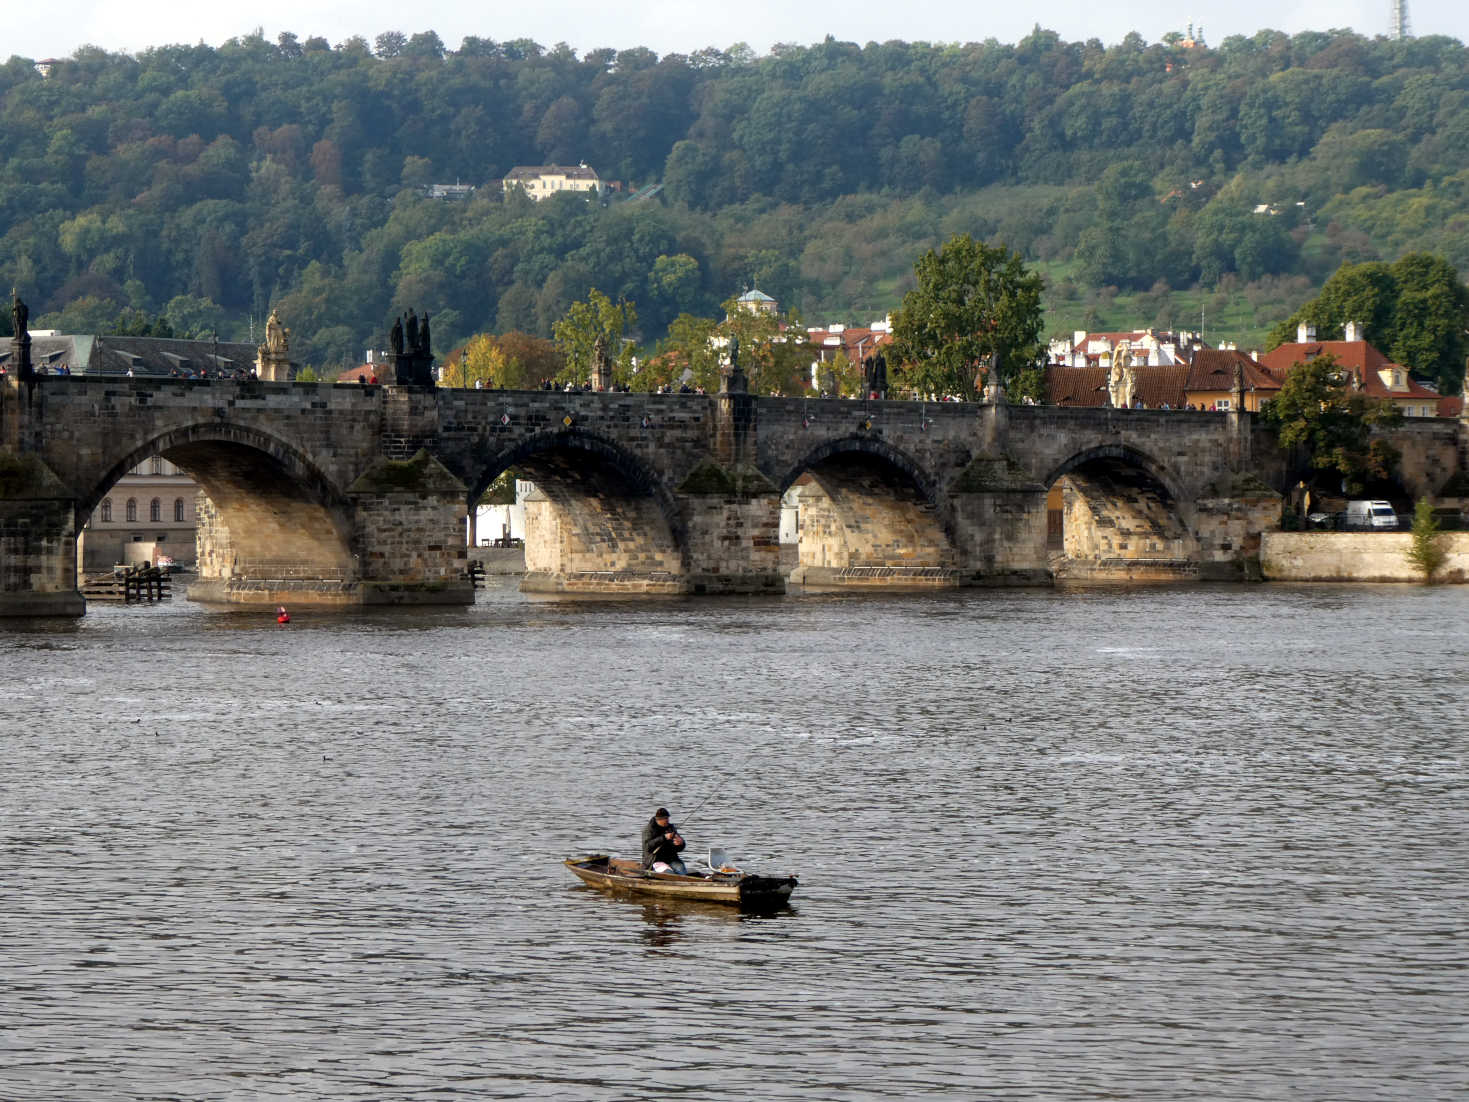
x: 720, y: 884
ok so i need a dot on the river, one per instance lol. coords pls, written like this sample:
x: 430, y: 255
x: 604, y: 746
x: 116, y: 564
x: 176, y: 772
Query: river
x: 1156, y: 843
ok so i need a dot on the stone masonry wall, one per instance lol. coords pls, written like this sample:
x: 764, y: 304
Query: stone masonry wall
x: 410, y: 542
x: 1355, y: 557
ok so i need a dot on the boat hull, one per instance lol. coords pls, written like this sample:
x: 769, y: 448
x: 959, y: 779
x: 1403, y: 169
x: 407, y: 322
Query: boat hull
x: 736, y: 889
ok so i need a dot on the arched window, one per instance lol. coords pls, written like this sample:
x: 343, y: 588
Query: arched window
x: 155, y: 510
x: 178, y: 509
x: 107, y: 510
x: 132, y: 511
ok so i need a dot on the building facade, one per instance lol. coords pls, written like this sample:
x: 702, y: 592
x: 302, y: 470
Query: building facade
x: 543, y: 181
x: 149, y: 516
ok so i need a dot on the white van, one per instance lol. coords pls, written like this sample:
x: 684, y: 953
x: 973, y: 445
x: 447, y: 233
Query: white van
x: 1371, y: 514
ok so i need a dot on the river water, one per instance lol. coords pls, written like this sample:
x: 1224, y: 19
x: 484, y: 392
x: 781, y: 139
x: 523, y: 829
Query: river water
x: 1196, y: 842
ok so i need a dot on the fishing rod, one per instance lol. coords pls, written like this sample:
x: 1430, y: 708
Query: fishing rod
x: 743, y: 758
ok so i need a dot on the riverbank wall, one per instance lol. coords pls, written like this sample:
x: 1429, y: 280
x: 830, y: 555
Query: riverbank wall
x: 499, y: 560
x: 1355, y: 557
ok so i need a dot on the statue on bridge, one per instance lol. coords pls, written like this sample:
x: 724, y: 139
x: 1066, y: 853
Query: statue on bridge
x: 410, y: 353
x: 277, y: 336
x: 1121, y: 381
x: 731, y: 376
x: 601, y: 372
x: 20, y: 341
x: 19, y: 314
x: 273, y: 358
x: 875, y: 375
x: 994, y: 384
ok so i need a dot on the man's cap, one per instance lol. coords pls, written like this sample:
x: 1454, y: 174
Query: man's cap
x: 661, y: 813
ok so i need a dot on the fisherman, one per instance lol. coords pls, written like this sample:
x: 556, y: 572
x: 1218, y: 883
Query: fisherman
x: 661, y: 844
x: 281, y: 615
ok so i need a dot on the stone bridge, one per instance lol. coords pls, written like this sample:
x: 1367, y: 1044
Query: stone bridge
x: 355, y: 494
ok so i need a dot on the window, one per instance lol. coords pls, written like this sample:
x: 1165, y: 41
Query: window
x: 155, y: 510
x: 132, y: 513
x: 107, y: 511
x: 178, y: 509
x: 1222, y: 404
x: 156, y: 465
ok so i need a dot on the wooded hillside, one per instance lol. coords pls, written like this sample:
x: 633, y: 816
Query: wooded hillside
x: 1148, y: 182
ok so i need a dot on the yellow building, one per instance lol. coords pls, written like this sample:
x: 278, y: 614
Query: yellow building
x: 543, y: 181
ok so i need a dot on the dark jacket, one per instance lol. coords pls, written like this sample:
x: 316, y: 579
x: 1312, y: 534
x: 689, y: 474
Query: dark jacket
x: 656, y: 847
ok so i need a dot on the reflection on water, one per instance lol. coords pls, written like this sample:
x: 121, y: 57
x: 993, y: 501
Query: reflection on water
x: 1183, y: 842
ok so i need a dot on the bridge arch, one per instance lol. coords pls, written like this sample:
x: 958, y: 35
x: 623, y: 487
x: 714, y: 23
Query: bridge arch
x: 1118, y: 453
x: 600, y: 518
x: 271, y: 511
x: 1114, y: 511
x: 867, y: 514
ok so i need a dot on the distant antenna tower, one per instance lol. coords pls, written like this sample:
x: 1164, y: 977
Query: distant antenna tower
x: 1399, y: 20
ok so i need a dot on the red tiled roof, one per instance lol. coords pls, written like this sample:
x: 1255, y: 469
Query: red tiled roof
x: 1213, y: 369
x: 1360, y: 358
x: 1076, y: 386
x: 1166, y: 383
x: 850, y: 341
x: 1087, y: 386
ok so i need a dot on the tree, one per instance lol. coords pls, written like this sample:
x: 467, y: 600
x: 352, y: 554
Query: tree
x: 1426, y: 552
x: 479, y: 361
x: 974, y: 304
x: 686, y: 352
x: 529, y: 360
x: 772, y: 349
x: 584, y: 322
x: 1319, y: 411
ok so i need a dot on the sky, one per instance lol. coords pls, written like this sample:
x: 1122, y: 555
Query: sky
x: 59, y: 27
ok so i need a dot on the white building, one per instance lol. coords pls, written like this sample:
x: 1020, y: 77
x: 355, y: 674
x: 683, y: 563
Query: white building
x: 1145, y: 347
x: 496, y: 525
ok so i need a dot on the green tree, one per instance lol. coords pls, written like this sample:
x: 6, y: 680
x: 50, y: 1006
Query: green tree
x: 975, y: 304
x: 687, y: 352
x: 195, y: 318
x: 578, y: 331
x: 1331, y: 422
x: 1426, y: 551
x: 772, y: 349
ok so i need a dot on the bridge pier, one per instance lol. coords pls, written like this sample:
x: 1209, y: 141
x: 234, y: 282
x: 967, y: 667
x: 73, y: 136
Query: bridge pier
x: 718, y: 532
x: 38, y: 547
x: 734, y: 539
x: 999, y: 515
x: 398, y: 539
